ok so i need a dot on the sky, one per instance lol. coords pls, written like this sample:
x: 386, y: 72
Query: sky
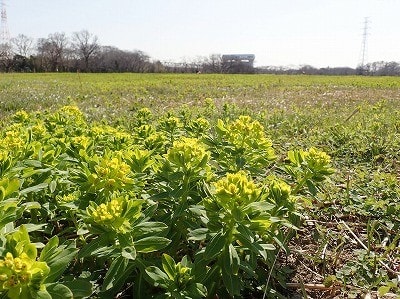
x: 320, y: 33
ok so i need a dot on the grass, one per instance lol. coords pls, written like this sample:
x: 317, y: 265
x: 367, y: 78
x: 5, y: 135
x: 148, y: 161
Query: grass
x: 350, y: 239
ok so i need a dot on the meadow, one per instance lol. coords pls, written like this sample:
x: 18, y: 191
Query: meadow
x: 199, y: 186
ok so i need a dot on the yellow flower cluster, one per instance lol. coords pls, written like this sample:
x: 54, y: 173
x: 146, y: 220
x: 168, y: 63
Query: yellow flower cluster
x: 280, y: 190
x: 173, y: 121
x: 21, y: 116
x: 3, y: 154
x: 117, y: 134
x: 155, y: 140
x: 317, y: 157
x: 13, y: 141
x: 72, y: 111
x: 39, y: 130
x: 202, y: 123
x: 236, y: 190
x: 83, y: 141
x: 144, y: 113
x: 113, y: 170
x: 246, y: 133
x: 198, y: 126
x: 113, y: 215
x: 18, y: 274
x: 107, y: 213
x: 189, y: 153
x: 171, y: 124
x: 67, y: 198
x: 184, y: 274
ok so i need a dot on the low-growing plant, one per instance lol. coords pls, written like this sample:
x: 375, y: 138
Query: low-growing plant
x: 179, y: 207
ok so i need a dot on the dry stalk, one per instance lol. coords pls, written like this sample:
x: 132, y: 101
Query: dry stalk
x: 366, y: 248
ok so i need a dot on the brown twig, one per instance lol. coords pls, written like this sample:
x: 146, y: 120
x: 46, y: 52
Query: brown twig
x: 366, y: 248
x: 352, y: 114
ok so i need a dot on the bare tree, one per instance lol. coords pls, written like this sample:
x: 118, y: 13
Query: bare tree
x: 52, y: 51
x: 86, y: 45
x: 23, y: 45
x: 213, y: 64
x: 5, y: 57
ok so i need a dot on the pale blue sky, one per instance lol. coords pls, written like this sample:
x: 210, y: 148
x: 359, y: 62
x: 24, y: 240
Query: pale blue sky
x: 279, y: 32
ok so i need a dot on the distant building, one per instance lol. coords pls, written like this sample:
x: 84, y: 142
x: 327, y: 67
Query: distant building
x: 238, y: 63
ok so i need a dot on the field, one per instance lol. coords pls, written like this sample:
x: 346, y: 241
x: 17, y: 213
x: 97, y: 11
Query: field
x: 199, y: 186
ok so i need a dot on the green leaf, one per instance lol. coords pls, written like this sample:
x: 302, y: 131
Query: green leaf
x: 197, y: 290
x: 259, y: 206
x: 311, y: 187
x: 80, y: 288
x: 47, y: 251
x: 150, y: 244
x: 149, y: 228
x: 31, y: 205
x: 383, y: 290
x: 44, y: 294
x: 234, y: 260
x: 215, y: 246
x: 139, y: 286
x: 57, y: 258
x: 231, y: 283
x: 158, y: 277
x: 117, y: 274
x: 35, y: 188
x: 129, y: 252
x: 246, y: 238
x: 268, y: 246
x: 93, y: 246
x: 168, y: 264
x: 247, y: 267
x: 245, y: 232
x: 59, y: 291
x: 8, y: 187
x: 198, y: 234
x: 52, y: 186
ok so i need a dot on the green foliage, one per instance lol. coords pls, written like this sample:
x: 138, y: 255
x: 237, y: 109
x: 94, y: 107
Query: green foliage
x: 176, y: 279
x: 215, y: 200
x: 242, y: 144
x: 308, y: 168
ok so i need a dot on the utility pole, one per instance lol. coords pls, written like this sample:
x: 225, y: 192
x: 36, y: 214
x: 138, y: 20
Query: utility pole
x: 364, y: 45
x: 5, y: 33
x: 5, y: 40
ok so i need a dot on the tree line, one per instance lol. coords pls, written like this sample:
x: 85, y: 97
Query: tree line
x: 79, y: 52
x: 82, y: 51
x: 379, y: 68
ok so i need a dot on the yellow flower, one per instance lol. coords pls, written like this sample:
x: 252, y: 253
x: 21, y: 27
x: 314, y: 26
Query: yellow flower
x: 113, y: 171
x: 21, y: 116
x: 3, y: 154
x: 71, y: 197
x: 71, y: 111
x: 236, y: 190
x: 317, y: 157
x: 39, y: 130
x: 108, y: 131
x: 115, y: 214
x: 246, y: 133
x: 21, y: 272
x: 144, y: 113
x: 189, y: 153
x: 83, y: 141
x: 13, y: 141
